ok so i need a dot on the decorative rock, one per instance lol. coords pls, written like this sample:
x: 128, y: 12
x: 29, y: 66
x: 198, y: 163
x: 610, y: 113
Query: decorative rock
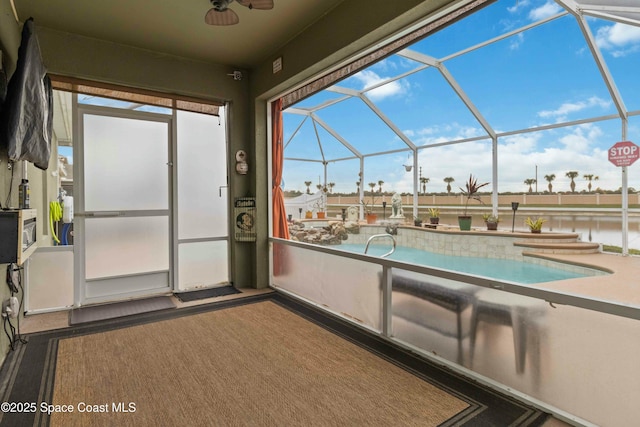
x: 352, y: 227
x: 333, y: 234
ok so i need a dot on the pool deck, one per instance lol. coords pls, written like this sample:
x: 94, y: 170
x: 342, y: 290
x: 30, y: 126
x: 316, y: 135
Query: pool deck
x: 622, y: 286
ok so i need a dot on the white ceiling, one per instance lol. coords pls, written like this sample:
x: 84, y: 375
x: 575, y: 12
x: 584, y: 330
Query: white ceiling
x: 178, y: 27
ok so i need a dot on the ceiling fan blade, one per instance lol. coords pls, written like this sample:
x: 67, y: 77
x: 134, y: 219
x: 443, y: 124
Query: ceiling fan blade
x: 257, y: 4
x: 225, y: 17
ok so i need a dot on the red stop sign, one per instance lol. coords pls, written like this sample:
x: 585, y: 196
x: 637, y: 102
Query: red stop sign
x: 624, y: 153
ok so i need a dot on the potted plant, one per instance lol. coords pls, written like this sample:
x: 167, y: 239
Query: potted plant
x: 535, y: 225
x: 417, y: 221
x: 491, y: 221
x: 368, y: 210
x: 319, y: 205
x: 470, y: 192
x: 434, y: 215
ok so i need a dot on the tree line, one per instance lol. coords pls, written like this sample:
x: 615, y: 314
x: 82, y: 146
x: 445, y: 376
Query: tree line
x: 422, y: 188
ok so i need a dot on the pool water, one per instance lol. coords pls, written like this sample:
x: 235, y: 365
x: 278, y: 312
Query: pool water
x: 501, y: 269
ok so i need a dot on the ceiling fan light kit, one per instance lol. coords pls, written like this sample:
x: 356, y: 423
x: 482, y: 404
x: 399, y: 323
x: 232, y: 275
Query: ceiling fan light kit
x: 220, y: 14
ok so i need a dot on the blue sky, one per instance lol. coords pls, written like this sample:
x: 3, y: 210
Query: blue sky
x: 543, y: 76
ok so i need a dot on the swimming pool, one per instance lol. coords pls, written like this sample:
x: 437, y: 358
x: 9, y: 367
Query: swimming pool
x: 501, y: 269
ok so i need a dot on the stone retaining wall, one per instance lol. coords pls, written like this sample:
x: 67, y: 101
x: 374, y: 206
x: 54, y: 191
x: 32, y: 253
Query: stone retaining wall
x: 474, y: 243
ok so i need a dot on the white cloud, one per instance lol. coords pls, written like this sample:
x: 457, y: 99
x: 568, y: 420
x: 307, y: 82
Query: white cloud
x: 581, y: 139
x: 521, y: 4
x: 447, y: 132
x: 523, y: 143
x: 386, y: 65
x: 561, y: 113
x: 370, y: 78
x: 619, y: 39
x: 516, y: 42
x: 548, y: 9
x: 520, y: 156
x: 518, y: 8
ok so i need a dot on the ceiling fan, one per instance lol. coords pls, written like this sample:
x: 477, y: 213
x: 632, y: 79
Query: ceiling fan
x: 220, y: 14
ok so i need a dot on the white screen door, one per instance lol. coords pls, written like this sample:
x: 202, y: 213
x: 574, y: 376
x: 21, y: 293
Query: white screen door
x: 123, y: 216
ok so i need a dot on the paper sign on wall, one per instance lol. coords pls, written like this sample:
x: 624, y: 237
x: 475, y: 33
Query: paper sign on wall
x: 244, y: 213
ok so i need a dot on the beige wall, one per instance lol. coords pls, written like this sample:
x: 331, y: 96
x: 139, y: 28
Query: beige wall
x: 505, y: 200
x: 9, y: 36
x: 9, y: 43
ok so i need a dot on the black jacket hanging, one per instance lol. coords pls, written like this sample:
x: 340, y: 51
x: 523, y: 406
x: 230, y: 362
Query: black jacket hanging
x: 26, y: 119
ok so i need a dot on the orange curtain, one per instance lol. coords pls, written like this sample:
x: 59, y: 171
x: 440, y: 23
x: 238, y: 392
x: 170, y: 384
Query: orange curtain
x: 280, y: 227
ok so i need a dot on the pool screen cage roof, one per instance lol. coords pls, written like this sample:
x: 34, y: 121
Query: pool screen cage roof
x: 512, y: 74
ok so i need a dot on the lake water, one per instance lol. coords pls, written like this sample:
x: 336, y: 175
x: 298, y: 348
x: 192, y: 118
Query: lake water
x: 598, y: 228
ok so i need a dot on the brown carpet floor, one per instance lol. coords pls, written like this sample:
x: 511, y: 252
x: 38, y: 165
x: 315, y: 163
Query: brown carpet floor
x: 261, y: 360
x: 256, y: 364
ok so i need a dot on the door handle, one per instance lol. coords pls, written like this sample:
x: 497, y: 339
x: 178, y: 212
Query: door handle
x: 99, y: 214
x: 107, y: 214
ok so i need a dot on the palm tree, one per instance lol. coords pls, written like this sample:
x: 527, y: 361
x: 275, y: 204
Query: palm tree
x: 358, y: 189
x: 590, y: 177
x: 530, y: 182
x: 331, y: 185
x: 380, y: 186
x: 372, y: 185
x: 550, y: 178
x: 448, y: 180
x: 308, y: 184
x: 572, y: 175
x: 319, y: 186
x: 424, y: 181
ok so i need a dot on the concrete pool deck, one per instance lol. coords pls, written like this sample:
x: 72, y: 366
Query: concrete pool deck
x: 621, y: 286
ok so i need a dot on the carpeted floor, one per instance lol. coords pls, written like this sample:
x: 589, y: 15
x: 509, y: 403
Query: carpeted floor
x: 256, y: 361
